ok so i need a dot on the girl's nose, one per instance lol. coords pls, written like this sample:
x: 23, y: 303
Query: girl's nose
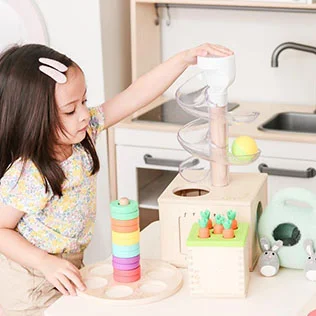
x: 84, y: 114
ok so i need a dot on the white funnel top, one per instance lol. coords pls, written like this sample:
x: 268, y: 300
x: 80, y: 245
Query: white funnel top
x: 219, y: 74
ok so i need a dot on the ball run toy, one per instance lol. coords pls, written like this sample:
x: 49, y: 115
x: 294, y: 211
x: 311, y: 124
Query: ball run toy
x: 244, y: 148
x: 125, y: 240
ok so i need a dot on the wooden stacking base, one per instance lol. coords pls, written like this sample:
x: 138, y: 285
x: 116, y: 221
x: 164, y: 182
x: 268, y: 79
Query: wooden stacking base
x: 159, y: 280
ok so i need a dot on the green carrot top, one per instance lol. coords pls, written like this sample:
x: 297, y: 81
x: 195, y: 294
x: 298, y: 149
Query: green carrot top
x: 231, y: 214
x: 219, y: 219
x: 203, y: 222
x: 227, y: 224
x: 207, y: 214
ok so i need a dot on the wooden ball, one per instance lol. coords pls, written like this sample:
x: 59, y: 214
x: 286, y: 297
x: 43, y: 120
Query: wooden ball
x: 124, y: 201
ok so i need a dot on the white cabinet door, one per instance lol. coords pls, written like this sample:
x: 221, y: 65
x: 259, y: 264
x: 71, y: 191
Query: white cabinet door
x: 283, y: 173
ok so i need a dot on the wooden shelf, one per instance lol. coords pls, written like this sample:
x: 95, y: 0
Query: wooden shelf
x: 231, y: 4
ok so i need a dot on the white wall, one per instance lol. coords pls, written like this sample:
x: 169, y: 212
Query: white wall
x: 253, y: 36
x: 74, y: 28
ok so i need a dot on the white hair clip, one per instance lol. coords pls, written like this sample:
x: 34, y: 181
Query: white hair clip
x: 55, y: 71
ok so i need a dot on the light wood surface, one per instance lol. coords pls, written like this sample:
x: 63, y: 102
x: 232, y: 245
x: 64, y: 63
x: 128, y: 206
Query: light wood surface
x: 145, y: 38
x: 288, y: 293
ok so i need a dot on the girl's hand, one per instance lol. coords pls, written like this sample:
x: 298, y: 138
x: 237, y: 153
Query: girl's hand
x: 190, y: 56
x: 62, y: 274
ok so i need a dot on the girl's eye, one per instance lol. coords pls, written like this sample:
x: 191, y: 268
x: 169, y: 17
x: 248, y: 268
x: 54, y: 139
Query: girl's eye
x: 70, y: 113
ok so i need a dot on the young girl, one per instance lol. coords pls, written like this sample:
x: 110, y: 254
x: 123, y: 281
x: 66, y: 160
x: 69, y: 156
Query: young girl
x: 48, y: 167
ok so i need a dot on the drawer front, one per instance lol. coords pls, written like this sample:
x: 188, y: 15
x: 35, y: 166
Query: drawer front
x: 152, y: 158
x: 283, y: 173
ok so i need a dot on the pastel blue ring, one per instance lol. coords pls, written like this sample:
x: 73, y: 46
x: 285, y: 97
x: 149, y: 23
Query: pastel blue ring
x: 125, y: 251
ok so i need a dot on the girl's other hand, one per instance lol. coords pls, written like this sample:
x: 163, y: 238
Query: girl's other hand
x: 62, y: 274
x: 190, y: 56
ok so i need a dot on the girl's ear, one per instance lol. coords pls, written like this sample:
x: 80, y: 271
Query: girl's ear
x: 308, y: 246
x: 277, y: 245
x: 265, y: 244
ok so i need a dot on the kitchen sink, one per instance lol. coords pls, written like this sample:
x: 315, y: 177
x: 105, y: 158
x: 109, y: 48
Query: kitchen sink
x: 291, y: 122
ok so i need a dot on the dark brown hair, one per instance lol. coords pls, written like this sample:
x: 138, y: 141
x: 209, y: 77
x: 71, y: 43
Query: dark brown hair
x: 29, y: 118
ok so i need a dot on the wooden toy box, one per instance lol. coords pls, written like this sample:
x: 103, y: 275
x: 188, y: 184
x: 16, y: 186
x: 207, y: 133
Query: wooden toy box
x: 218, y: 267
x: 181, y: 203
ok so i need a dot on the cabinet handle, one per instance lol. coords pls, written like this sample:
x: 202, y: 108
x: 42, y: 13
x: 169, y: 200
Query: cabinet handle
x: 308, y: 173
x: 149, y: 160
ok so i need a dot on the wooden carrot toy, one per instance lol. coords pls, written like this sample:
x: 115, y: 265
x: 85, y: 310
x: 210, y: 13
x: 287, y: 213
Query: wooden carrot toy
x: 232, y: 216
x: 228, y: 231
x: 218, y: 227
x: 204, y: 232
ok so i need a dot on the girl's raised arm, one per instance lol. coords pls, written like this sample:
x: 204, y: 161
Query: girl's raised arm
x: 152, y: 84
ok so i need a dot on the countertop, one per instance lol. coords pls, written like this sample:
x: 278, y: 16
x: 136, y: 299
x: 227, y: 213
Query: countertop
x: 286, y: 294
x: 266, y: 112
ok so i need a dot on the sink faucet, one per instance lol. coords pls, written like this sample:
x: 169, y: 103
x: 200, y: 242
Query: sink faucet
x: 289, y: 45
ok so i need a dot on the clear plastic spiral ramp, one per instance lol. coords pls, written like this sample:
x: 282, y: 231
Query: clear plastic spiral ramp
x: 206, y: 138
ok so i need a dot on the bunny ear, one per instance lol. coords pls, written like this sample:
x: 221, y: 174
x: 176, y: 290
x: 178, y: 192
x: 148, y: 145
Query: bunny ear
x: 277, y: 245
x: 308, y: 246
x: 265, y: 244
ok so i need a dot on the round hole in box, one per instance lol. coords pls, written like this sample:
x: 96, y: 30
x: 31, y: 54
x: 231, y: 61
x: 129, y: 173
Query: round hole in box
x: 191, y: 192
x: 288, y: 233
x: 258, y: 214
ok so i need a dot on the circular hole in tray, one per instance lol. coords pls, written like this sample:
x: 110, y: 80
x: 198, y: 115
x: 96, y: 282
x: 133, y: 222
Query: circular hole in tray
x: 119, y: 291
x: 102, y: 270
x: 153, y: 287
x: 160, y: 274
x: 95, y: 283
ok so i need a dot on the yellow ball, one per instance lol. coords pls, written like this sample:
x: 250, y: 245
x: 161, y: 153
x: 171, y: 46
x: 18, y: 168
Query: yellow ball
x: 244, y: 148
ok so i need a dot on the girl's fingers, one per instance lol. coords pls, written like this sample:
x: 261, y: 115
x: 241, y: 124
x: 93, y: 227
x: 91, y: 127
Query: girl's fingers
x: 216, y: 49
x: 59, y: 287
x: 76, y: 271
x: 75, y: 279
x: 63, y: 279
x: 223, y: 48
x: 201, y: 52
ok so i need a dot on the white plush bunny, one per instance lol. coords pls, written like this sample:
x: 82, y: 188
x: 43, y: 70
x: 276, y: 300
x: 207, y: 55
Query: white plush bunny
x: 269, y: 261
x: 310, y: 266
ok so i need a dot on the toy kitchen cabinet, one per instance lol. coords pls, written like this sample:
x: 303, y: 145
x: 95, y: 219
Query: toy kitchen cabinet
x: 143, y: 150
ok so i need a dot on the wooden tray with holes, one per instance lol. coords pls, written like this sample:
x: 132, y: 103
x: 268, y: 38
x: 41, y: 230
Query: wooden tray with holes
x: 159, y: 280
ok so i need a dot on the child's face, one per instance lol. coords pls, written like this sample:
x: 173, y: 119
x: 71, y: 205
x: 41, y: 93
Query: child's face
x: 71, y: 102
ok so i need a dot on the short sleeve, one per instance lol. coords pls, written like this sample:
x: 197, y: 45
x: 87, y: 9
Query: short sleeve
x: 96, y: 125
x: 23, y: 188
